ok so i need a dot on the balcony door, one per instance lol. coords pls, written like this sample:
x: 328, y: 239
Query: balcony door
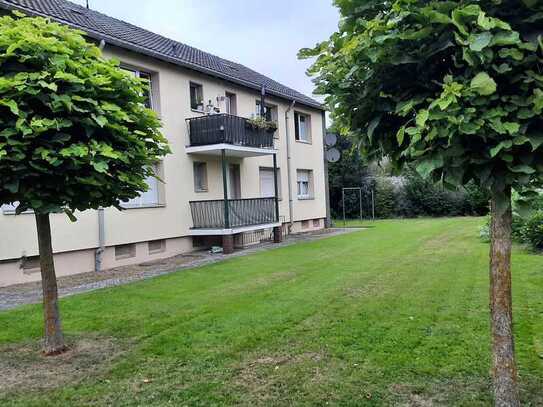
x: 234, y: 181
x: 230, y: 104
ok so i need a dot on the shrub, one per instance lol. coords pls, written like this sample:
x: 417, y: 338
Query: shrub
x: 385, y: 198
x: 531, y: 231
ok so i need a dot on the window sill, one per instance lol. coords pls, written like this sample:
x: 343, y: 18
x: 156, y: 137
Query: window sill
x: 306, y: 198
x: 304, y: 142
x: 11, y: 212
x: 201, y: 191
x: 150, y: 206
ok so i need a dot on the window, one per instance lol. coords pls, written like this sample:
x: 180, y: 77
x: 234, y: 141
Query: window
x: 200, y: 177
x: 147, y: 77
x: 316, y: 223
x: 125, y: 251
x: 267, y: 184
x: 304, y: 181
x: 153, y: 196
x: 230, y: 102
x: 270, y: 112
x: 196, y: 97
x: 9, y: 208
x: 302, y: 127
x: 157, y: 246
x: 305, y: 224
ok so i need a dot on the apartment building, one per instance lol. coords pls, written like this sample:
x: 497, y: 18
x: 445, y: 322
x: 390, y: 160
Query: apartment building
x: 226, y: 183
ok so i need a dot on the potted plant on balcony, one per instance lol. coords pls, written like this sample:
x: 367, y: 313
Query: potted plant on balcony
x: 260, y: 123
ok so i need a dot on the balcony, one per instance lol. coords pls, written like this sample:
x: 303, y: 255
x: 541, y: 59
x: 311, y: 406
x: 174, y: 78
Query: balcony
x: 212, y: 134
x: 226, y: 217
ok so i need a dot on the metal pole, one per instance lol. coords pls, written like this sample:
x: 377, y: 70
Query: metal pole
x: 343, y: 203
x: 360, y: 195
x: 372, y: 206
x: 225, y: 189
x: 276, y: 187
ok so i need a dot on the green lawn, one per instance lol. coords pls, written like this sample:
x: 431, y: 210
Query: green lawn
x: 395, y: 314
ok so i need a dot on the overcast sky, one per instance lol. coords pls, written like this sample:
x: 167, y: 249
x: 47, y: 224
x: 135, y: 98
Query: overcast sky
x: 263, y: 35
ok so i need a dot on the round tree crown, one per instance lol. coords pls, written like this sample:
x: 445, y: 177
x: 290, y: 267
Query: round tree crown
x: 74, y: 129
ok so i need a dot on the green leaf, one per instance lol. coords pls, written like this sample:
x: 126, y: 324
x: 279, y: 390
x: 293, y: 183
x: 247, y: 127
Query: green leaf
x: 523, y: 168
x: 483, y: 84
x: 427, y: 166
x: 100, y: 120
x: 400, y: 135
x: 511, y: 127
x: 100, y: 166
x: 506, y: 38
x: 477, y: 42
x: 507, y: 144
x: 373, y: 125
x: 422, y: 118
x: 536, y: 140
x: 12, y: 105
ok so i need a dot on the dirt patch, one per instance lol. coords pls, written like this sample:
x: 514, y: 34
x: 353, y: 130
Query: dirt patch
x: 24, y: 368
x: 263, y: 376
x: 436, y: 394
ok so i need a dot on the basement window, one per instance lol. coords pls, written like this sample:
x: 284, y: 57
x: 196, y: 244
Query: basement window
x: 125, y: 251
x: 157, y: 246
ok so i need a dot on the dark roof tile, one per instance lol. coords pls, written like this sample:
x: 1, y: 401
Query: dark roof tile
x: 126, y: 35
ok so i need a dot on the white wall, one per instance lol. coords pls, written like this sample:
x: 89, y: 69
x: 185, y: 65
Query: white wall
x: 174, y: 220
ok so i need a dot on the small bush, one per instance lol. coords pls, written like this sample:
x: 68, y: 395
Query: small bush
x: 532, y: 231
x: 385, y: 198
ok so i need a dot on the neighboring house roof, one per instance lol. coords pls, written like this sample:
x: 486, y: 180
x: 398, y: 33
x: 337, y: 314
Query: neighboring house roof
x: 128, y: 36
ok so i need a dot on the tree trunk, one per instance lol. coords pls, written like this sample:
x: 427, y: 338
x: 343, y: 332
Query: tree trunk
x: 504, y: 370
x: 54, y: 339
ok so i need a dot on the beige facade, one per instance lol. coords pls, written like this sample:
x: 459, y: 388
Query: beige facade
x: 168, y: 224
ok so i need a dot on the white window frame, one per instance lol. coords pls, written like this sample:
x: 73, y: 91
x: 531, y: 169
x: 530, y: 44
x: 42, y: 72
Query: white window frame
x: 153, y: 197
x: 304, y: 137
x: 270, y: 169
x: 201, y: 88
x: 304, y: 184
x: 138, y: 74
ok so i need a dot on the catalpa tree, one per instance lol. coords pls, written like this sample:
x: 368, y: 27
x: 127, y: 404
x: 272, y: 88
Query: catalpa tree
x: 456, y: 89
x: 74, y: 135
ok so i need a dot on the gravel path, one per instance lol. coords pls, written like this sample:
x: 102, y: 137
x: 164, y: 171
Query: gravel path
x: 30, y: 293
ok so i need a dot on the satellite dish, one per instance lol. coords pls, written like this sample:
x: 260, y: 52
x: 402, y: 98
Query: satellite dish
x: 330, y: 139
x: 333, y: 155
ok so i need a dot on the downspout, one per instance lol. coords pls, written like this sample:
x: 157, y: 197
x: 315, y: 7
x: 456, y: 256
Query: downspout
x: 101, y: 241
x: 328, y: 221
x: 99, y: 253
x: 289, y: 167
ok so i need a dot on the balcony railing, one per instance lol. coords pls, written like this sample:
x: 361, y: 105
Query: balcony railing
x: 228, y: 129
x: 241, y: 212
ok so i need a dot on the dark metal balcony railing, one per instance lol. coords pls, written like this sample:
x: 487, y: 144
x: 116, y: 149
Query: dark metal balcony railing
x: 228, y: 129
x: 241, y: 212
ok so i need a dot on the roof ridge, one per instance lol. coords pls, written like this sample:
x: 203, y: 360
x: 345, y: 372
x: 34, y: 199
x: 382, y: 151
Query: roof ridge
x: 156, y: 45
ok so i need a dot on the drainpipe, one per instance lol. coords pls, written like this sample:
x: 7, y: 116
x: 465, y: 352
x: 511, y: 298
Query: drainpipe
x: 289, y: 165
x: 101, y: 241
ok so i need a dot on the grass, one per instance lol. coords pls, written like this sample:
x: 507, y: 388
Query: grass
x: 395, y: 314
